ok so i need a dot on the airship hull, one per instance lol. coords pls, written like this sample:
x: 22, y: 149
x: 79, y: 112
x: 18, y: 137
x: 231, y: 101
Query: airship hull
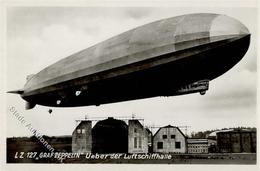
x: 159, y: 76
x: 173, y: 56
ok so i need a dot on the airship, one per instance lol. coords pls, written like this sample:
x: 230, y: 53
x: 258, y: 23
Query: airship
x: 172, y: 56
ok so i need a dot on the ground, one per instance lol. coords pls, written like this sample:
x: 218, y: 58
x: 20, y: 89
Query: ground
x: 30, y: 150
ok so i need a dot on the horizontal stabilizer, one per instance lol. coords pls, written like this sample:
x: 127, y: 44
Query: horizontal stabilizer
x: 29, y: 105
x: 16, y: 91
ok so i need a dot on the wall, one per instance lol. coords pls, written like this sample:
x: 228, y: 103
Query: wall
x: 137, y: 137
x: 236, y: 142
x: 198, y: 148
x: 82, y: 138
x: 198, y: 145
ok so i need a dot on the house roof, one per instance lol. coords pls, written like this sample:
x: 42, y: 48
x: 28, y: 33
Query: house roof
x: 82, y: 123
x: 197, y: 141
x: 214, y: 134
x: 169, y: 126
x: 110, y: 122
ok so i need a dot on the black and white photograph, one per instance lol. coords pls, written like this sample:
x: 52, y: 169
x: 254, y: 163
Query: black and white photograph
x: 140, y: 85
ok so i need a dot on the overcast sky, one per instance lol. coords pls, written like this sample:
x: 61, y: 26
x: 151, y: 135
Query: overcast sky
x: 38, y: 37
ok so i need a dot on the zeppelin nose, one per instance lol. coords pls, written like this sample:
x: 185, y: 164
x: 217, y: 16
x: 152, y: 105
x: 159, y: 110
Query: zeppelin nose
x: 226, y: 26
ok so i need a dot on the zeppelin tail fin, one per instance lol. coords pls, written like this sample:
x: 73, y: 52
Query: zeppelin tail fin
x: 16, y: 91
x: 29, y: 105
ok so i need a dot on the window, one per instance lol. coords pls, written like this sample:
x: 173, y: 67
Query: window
x: 164, y: 136
x: 135, y: 130
x: 135, y: 142
x: 178, y: 145
x: 140, y: 142
x: 83, y: 131
x: 172, y: 136
x: 159, y: 145
x: 78, y: 131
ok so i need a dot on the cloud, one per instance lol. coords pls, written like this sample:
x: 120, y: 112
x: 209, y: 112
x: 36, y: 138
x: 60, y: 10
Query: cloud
x: 42, y: 36
x: 250, y: 63
x: 138, y: 13
x: 235, y: 85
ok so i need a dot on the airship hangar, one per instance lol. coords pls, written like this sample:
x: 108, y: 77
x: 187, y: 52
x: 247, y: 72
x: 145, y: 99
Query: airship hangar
x: 173, y: 56
x: 130, y: 135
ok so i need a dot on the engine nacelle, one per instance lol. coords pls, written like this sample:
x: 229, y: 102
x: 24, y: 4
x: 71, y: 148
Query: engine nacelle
x: 199, y: 86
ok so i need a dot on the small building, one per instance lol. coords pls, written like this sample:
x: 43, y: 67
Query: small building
x: 236, y: 141
x: 82, y: 138
x: 197, y: 146
x: 169, y: 139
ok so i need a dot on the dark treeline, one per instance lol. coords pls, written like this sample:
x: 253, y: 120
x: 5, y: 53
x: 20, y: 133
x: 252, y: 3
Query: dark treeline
x: 50, y: 139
